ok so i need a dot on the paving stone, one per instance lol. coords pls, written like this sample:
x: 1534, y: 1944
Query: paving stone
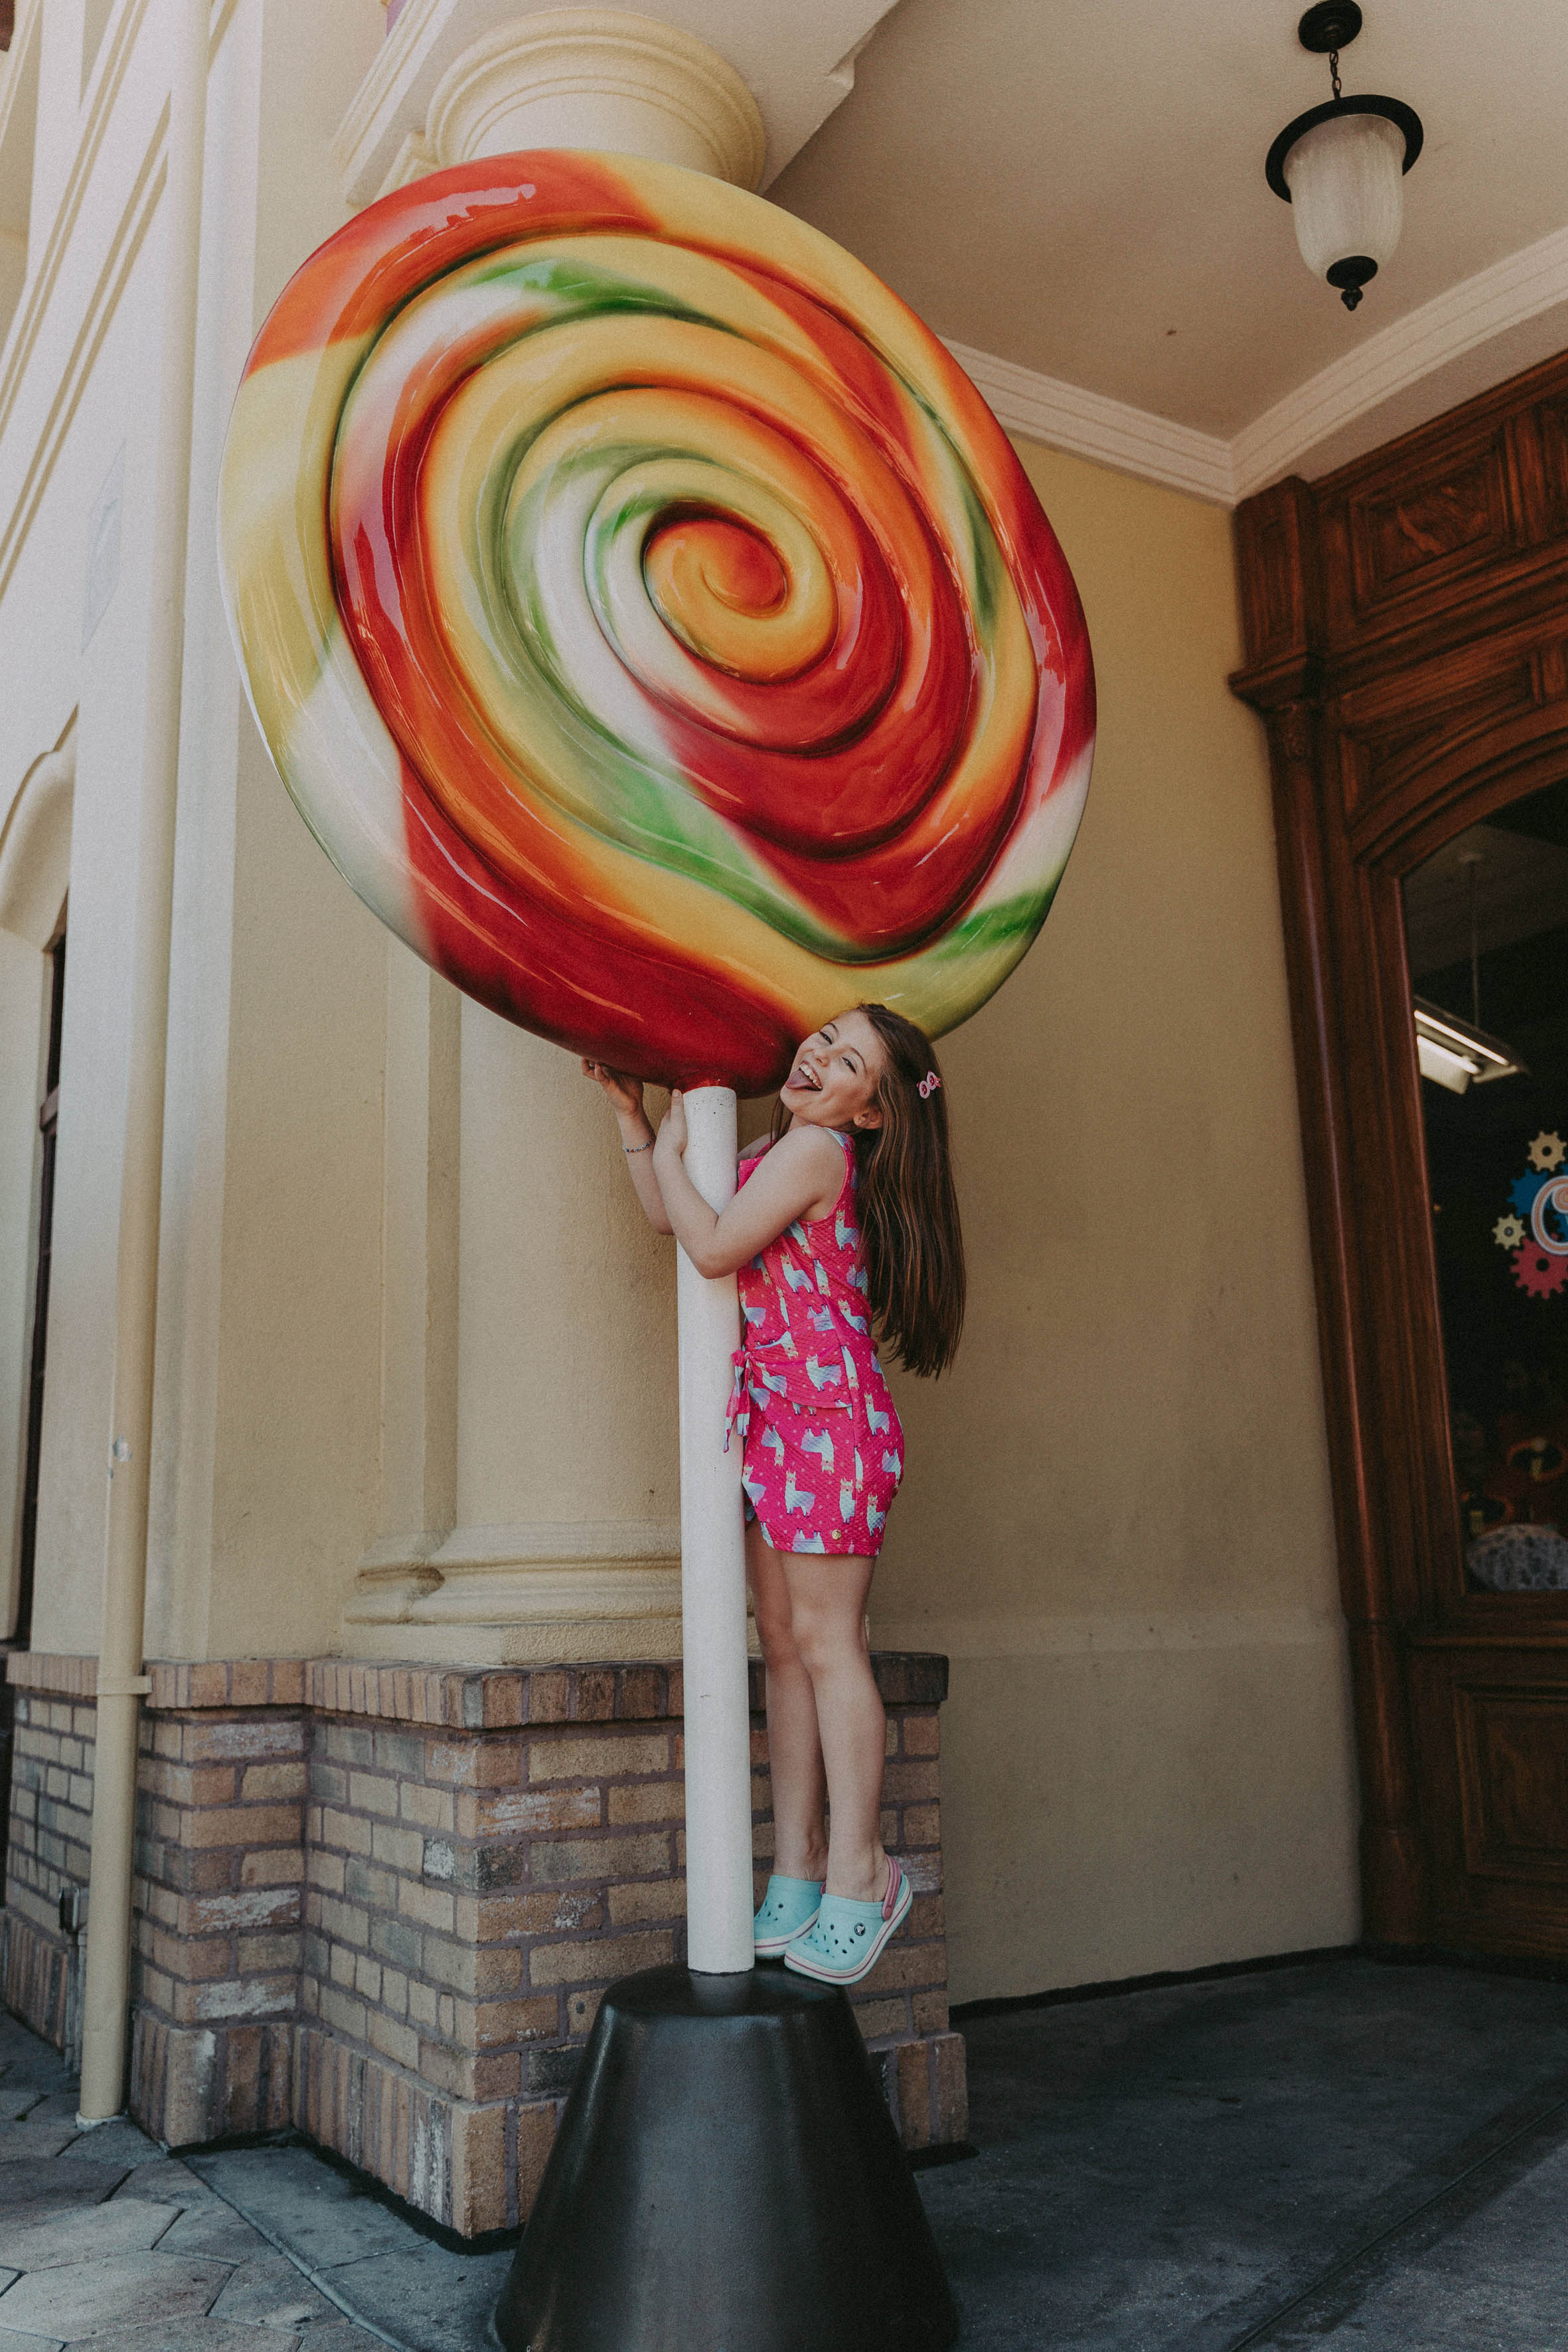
x: 340, y: 2337
x: 23, y: 2087
x: 216, y: 2229
x: 82, y: 2299
x: 67, y: 2179
x: 55, y: 2106
x: 9, y: 2342
x: 117, y: 2143
x: 195, y: 2335
x: 425, y: 2294
x: 317, y: 2212
x: 269, y: 2292
x: 169, y: 2182
x: 32, y: 2142
x: 75, y: 2234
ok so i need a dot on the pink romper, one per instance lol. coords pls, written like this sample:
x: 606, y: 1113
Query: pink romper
x: 824, y: 1447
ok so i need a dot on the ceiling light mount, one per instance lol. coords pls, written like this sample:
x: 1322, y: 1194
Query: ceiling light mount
x: 1330, y: 27
x: 1340, y: 165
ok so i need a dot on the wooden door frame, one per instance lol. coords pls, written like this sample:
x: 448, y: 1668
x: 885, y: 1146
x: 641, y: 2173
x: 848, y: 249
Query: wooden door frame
x: 1405, y: 627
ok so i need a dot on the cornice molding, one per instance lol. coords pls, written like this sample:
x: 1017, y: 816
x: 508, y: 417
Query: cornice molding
x: 1476, y: 311
x: 1131, y: 440
x: 1383, y: 374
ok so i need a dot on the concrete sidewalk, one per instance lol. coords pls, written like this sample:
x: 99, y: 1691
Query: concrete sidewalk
x: 1340, y: 2153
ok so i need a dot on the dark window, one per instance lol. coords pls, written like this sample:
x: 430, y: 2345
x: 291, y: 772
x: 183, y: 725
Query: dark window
x: 49, y: 1119
x: 1486, y: 926
x: 23, y: 1633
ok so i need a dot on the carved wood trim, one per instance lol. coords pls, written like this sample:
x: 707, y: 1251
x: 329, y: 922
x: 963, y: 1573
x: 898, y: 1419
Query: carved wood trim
x: 1405, y: 623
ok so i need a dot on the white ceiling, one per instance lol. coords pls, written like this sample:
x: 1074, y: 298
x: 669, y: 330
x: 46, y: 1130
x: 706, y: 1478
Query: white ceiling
x: 1077, y: 187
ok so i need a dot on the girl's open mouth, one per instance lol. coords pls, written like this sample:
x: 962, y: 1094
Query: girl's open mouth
x: 803, y: 1082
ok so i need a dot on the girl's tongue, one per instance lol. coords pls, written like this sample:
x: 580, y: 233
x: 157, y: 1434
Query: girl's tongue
x: 802, y: 1080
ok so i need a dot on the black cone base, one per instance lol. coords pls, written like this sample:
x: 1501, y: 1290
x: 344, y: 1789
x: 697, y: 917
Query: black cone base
x: 726, y: 2179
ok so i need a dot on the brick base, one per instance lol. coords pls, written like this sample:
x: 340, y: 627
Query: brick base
x: 190, y: 2083
x: 384, y: 1902
x: 50, y: 1837
x: 40, y: 1977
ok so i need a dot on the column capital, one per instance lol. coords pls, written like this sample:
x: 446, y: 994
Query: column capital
x: 597, y: 78
x: 720, y: 86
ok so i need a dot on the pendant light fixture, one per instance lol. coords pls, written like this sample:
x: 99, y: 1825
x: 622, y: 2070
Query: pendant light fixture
x: 1340, y: 166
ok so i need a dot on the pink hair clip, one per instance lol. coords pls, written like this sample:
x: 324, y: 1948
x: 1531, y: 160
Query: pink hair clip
x: 929, y: 1085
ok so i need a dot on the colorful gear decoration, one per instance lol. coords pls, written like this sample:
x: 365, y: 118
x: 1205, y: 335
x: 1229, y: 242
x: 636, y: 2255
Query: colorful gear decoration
x: 1539, y: 1272
x: 1523, y: 1191
x: 1548, y: 1152
x: 1508, y: 1232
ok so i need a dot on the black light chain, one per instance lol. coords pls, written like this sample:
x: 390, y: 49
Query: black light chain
x: 1334, y: 70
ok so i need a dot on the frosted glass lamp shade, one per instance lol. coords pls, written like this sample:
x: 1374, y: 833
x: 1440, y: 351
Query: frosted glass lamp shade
x: 1345, y: 178
x: 1340, y: 168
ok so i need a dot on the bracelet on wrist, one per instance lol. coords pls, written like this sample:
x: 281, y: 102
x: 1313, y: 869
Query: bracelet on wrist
x: 639, y: 1147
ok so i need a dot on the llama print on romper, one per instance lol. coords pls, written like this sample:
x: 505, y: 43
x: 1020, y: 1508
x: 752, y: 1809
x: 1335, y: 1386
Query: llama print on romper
x: 807, y: 1419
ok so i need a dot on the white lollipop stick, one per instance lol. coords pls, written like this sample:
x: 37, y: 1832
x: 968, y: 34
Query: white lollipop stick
x: 713, y: 1578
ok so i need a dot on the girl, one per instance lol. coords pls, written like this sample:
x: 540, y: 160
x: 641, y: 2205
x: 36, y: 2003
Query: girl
x: 844, y: 1222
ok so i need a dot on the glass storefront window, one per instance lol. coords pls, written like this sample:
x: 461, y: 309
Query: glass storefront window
x: 1485, y: 923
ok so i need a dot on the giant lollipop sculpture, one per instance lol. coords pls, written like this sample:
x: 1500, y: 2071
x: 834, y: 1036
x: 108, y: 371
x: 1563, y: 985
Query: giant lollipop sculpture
x: 657, y: 630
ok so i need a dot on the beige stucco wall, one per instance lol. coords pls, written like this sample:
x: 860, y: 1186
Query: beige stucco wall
x: 404, y: 1290
x: 1115, y: 1517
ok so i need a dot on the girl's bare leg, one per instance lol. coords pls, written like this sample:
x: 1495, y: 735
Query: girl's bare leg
x: 828, y: 1619
x: 795, y: 1749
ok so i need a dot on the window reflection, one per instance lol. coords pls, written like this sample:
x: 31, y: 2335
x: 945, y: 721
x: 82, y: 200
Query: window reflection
x: 1487, y: 932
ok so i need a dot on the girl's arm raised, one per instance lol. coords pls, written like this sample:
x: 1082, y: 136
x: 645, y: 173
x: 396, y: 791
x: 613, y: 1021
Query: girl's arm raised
x: 625, y: 1096
x: 801, y: 1177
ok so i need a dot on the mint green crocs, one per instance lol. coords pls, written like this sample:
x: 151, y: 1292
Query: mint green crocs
x: 848, y: 1938
x: 788, y: 1909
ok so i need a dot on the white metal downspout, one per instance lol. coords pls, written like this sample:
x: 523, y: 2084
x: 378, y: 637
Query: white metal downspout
x: 120, y: 1680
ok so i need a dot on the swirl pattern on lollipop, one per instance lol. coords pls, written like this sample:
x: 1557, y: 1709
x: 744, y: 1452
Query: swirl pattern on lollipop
x: 649, y: 618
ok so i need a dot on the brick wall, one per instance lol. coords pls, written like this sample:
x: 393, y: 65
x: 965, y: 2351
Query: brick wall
x: 217, y: 1899
x: 384, y: 1902
x: 49, y: 1842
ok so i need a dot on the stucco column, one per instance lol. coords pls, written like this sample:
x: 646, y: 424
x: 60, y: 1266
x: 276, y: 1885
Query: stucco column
x: 563, y: 1541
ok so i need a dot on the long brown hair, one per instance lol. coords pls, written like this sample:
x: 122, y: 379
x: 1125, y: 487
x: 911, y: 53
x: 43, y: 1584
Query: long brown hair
x: 906, y: 1206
